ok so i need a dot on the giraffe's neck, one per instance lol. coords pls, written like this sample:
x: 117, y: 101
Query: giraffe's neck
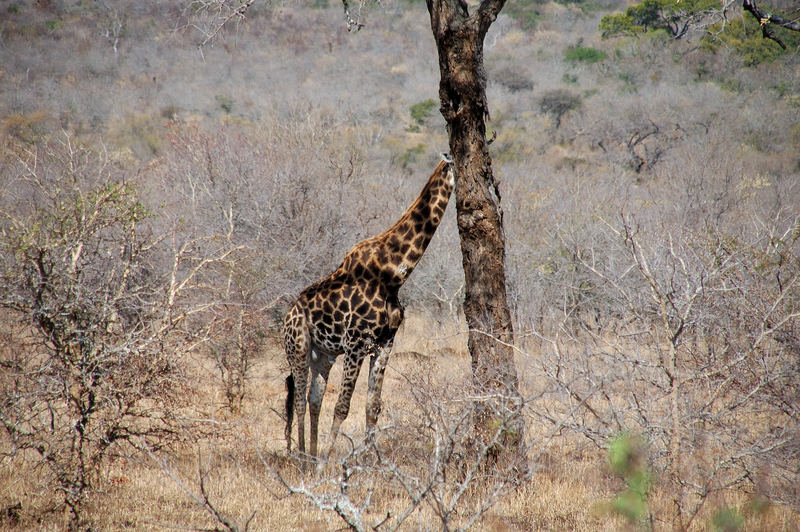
x: 392, y: 255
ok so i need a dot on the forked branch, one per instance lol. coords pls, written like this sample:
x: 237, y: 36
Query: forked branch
x: 768, y: 21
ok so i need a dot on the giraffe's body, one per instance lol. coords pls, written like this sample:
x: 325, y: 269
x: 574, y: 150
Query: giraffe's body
x: 355, y: 312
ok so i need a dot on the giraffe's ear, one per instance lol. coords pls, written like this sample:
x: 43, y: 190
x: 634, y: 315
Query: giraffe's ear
x: 446, y: 158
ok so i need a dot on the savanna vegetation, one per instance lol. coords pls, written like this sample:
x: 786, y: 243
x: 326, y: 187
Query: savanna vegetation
x: 173, y: 173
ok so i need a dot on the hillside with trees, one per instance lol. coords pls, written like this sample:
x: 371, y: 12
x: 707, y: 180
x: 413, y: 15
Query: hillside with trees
x: 174, y: 173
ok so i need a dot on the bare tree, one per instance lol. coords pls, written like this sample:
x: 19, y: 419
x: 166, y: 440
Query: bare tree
x: 271, y: 211
x: 201, y: 499
x: 217, y: 183
x: 209, y: 17
x: 459, y: 39
x: 96, y: 303
x: 696, y: 340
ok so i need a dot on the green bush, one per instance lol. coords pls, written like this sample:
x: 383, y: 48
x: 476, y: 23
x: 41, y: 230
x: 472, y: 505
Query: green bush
x: 742, y: 34
x: 618, y: 24
x: 421, y: 110
x: 630, y: 84
x: 53, y: 25
x: 584, y: 54
x: 626, y: 456
x: 225, y: 102
x: 728, y: 520
x: 652, y: 15
x: 526, y: 12
x: 587, y: 7
x: 411, y: 155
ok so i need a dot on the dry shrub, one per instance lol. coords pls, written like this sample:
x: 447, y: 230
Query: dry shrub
x: 423, y: 462
x: 269, y: 206
x: 27, y: 128
x: 96, y: 307
x: 680, y: 323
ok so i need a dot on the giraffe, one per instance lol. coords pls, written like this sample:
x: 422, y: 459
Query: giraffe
x: 355, y: 312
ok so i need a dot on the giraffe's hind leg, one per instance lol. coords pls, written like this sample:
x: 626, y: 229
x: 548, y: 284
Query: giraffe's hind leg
x: 300, y: 384
x: 297, y: 343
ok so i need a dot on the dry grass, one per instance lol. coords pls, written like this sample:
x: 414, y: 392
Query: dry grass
x: 568, y: 490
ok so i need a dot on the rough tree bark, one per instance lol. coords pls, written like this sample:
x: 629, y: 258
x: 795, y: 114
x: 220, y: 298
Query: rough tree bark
x: 462, y: 90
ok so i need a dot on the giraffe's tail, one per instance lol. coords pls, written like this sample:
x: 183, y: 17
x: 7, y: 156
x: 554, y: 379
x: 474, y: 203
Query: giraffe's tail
x: 289, y: 410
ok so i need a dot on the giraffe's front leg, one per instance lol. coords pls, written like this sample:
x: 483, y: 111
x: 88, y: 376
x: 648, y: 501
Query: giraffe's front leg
x: 352, y: 365
x: 377, y: 368
x: 378, y: 361
x: 320, y: 369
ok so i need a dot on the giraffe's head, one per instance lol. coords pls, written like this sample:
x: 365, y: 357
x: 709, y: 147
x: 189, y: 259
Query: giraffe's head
x: 450, y: 168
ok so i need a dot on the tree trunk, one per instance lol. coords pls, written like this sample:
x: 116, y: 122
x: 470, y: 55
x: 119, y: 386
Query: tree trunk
x: 462, y: 91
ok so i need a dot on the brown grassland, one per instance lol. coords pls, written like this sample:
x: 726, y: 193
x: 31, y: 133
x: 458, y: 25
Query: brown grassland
x: 571, y: 487
x: 167, y: 189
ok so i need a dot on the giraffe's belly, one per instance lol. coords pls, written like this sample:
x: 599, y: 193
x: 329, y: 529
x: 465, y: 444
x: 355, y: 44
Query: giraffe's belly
x: 326, y: 346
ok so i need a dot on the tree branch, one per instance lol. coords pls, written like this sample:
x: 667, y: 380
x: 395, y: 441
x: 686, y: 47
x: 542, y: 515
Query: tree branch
x: 765, y: 19
x: 487, y: 13
x: 353, y: 24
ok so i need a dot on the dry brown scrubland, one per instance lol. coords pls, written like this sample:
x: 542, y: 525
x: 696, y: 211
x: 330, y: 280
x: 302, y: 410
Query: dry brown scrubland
x: 142, y: 495
x: 651, y: 209
x: 234, y: 462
